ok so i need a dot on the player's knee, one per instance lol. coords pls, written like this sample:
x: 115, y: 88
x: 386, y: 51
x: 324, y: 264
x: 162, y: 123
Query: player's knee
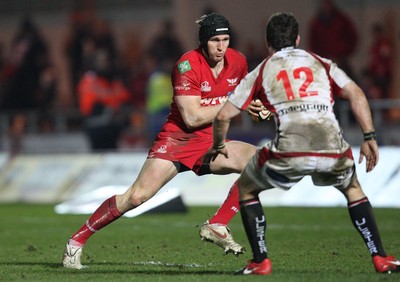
x: 136, y: 200
x: 353, y: 191
x: 137, y: 197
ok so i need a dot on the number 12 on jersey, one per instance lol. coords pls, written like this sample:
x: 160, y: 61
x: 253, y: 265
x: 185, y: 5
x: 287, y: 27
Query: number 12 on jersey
x: 303, y: 73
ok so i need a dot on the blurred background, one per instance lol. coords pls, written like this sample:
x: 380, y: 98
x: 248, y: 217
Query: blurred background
x: 49, y: 48
x: 92, y: 76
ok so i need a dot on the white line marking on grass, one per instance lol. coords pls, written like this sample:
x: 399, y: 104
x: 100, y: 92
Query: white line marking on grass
x: 167, y: 264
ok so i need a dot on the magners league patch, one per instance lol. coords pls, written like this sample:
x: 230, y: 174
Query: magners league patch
x: 184, y: 67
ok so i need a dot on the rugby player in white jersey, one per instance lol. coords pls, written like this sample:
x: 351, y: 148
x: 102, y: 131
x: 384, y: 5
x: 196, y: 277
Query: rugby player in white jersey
x: 299, y: 88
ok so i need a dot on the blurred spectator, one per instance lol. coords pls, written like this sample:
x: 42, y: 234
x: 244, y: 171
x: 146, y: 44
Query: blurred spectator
x: 78, y: 34
x: 23, y: 68
x: 166, y: 45
x: 137, y: 76
x: 45, y: 98
x: 380, y: 60
x: 47, y: 88
x: 367, y: 83
x: 159, y: 96
x: 102, y: 97
x: 136, y: 70
x: 2, y: 71
x: 137, y: 82
x: 132, y: 48
x: 104, y: 37
x: 332, y: 35
x: 87, y: 33
x: 16, y: 133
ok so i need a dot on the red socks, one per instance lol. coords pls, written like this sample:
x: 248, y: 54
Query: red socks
x: 229, y: 208
x: 106, y: 213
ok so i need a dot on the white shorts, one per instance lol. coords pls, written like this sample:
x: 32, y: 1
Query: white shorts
x: 270, y: 169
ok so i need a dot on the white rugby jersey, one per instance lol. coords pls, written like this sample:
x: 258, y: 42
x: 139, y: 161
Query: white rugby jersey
x: 299, y: 88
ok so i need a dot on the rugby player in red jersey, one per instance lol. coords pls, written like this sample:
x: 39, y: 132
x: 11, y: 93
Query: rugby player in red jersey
x: 202, y: 79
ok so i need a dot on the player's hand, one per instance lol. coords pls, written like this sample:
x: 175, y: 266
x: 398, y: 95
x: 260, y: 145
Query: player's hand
x: 369, y: 150
x: 212, y: 154
x: 257, y: 111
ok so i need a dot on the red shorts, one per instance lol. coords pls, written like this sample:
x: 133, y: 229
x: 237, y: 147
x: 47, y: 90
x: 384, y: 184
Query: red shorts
x: 187, y: 148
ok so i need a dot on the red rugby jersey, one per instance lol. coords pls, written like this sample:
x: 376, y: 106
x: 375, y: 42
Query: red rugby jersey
x: 193, y: 76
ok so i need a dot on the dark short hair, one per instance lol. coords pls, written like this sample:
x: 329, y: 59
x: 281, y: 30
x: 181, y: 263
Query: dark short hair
x: 281, y: 31
x: 212, y: 25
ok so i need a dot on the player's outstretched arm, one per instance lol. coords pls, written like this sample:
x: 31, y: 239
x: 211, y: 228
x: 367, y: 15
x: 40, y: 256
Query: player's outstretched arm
x: 359, y: 105
x: 362, y: 112
x: 221, y: 126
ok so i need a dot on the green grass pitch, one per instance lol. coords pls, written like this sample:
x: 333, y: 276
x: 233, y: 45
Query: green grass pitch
x: 305, y: 244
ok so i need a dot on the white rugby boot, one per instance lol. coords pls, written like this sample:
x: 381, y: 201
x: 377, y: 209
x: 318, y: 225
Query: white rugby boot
x: 221, y: 236
x: 72, y: 257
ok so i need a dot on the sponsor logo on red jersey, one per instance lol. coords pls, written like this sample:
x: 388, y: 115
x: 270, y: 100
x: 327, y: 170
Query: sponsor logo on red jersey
x: 232, y: 81
x: 205, y: 86
x: 184, y: 67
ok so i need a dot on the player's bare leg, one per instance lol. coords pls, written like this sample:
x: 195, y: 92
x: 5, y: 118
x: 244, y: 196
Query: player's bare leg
x: 154, y: 174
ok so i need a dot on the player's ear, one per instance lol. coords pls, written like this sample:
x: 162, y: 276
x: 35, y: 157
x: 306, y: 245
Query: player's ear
x: 298, y: 40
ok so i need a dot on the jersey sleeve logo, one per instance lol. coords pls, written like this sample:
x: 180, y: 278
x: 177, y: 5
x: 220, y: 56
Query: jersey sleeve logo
x: 184, y: 67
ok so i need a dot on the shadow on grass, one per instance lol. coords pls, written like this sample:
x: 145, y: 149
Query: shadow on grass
x: 121, y: 268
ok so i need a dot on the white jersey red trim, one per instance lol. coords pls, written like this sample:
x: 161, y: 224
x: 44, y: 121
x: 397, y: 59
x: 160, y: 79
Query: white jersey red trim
x: 299, y: 88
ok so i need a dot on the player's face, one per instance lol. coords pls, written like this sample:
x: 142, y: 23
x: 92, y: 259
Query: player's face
x: 217, y: 46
